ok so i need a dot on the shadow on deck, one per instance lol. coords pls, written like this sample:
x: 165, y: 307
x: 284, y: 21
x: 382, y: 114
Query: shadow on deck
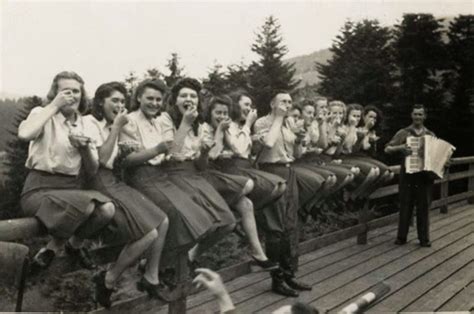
x: 440, y: 278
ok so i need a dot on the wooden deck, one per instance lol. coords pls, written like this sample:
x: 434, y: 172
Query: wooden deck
x: 440, y: 278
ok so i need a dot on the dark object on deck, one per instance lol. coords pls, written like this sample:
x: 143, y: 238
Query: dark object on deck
x: 14, y: 268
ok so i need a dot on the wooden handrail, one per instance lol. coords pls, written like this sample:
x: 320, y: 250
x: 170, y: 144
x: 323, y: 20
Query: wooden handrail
x: 15, y: 229
x: 442, y: 203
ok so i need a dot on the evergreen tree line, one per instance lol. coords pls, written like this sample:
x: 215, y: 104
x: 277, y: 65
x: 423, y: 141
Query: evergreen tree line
x: 416, y: 61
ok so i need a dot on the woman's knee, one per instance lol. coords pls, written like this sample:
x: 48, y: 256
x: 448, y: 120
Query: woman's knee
x: 248, y: 187
x: 106, y: 211
x: 163, y: 227
x: 355, y: 170
x: 279, y: 190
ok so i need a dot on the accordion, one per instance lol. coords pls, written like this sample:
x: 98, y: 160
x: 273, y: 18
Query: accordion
x: 428, y: 154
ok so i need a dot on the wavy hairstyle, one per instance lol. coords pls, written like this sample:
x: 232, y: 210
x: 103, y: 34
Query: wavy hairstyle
x: 173, y: 110
x: 336, y: 103
x: 68, y: 75
x: 218, y: 100
x: 378, y: 121
x: 353, y: 107
x: 155, y: 84
x: 104, y: 91
x: 236, y: 96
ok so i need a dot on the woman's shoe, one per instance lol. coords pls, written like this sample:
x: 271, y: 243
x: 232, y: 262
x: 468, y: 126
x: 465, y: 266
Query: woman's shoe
x: 266, y: 265
x: 41, y: 260
x: 158, y: 291
x: 102, y: 293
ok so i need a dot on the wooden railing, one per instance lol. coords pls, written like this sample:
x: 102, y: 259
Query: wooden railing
x: 22, y: 228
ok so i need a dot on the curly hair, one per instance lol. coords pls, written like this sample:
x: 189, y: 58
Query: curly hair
x: 377, y: 111
x: 155, y: 84
x: 173, y: 110
x: 218, y: 100
x: 104, y: 91
x: 68, y: 75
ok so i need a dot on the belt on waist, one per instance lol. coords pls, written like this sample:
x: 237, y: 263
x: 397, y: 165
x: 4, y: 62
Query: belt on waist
x: 283, y: 164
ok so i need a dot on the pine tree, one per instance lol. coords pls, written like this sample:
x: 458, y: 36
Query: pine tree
x: 460, y: 81
x: 216, y: 82
x: 421, y: 58
x: 362, y: 65
x: 17, y: 152
x: 238, y: 77
x: 175, y: 70
x: 270, y: 73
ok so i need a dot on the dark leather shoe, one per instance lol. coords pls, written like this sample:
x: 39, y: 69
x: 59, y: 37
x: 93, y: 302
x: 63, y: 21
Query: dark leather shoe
x: 297, y: 285
x: 279, y: 286
x: 81, y: 255
x: 425, y: 244
x: 102, y: 293
x: 266, y: 265
x: 42, y: 260
x: 400, y: 242
x: 158, y: 291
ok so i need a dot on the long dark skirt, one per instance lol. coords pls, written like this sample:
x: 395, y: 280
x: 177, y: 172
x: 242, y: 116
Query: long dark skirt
x: 135, y: 215
x: 193, y: 207
x: 268, y: 209
x: 229, y: 186
x: 58, y: 201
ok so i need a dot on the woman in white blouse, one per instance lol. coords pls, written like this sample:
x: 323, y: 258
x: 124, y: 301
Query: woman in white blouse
x: 60, y: 156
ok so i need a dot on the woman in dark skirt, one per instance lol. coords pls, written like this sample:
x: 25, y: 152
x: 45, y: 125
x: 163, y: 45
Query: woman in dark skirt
x: 195, y: 210
x: 366, y: 148
x: 225, y: 163
x: 60, y: 154
x: 138, y: 222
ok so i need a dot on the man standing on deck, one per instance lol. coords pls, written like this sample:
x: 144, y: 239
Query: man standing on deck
x: 414, y: 189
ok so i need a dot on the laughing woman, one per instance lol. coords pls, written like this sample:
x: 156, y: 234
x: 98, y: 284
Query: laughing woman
x: 60, y: 154
x: 139, y: 222
x: 230, y: 151
x: 195, y: 210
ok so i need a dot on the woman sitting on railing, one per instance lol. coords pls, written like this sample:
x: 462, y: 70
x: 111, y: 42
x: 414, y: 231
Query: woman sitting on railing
x: 229, y: 157
x: 163, y: 167
x: 59, y: 156
x: 353, y: 137
x: 137, y: 221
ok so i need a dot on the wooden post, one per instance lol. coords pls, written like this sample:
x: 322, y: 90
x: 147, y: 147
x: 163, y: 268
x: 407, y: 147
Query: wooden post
x: 470, y: 185
x: 363, y: 219
x: 444, y: 193
x: 179, y: 305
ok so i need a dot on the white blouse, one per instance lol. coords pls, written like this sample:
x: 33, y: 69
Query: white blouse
x: 51, y: 150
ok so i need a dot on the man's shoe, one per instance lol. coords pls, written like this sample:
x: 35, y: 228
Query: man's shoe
x: 297, y: 285
x: 42, y: 260
x: 81, y: 255
x: 279, y: 286
x: 266, y: 265
x: 400, y: 242
x: 425, y: 244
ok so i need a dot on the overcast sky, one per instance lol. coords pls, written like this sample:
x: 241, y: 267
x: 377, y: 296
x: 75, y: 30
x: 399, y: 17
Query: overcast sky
x: 104, y: 40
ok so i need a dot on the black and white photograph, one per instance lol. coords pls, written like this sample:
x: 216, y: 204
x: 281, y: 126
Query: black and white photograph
x: 287, y: 157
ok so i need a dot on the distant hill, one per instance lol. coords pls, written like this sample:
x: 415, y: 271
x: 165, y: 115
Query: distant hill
x: 305, y: 66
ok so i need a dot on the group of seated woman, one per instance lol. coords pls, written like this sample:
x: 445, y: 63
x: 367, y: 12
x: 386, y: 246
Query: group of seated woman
x: 169, y: 173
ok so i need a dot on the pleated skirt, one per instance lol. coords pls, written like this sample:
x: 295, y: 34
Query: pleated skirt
x: 58, y: 201
x: 193, y: 207
x: 135, y: 215
x: 269, y: 209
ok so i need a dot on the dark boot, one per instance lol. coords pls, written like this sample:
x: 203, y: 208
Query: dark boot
x: 279, y: 285
x: 295, y: 284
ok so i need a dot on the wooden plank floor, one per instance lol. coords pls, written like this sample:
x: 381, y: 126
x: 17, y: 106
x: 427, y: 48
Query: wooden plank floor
x: 440, y: 278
